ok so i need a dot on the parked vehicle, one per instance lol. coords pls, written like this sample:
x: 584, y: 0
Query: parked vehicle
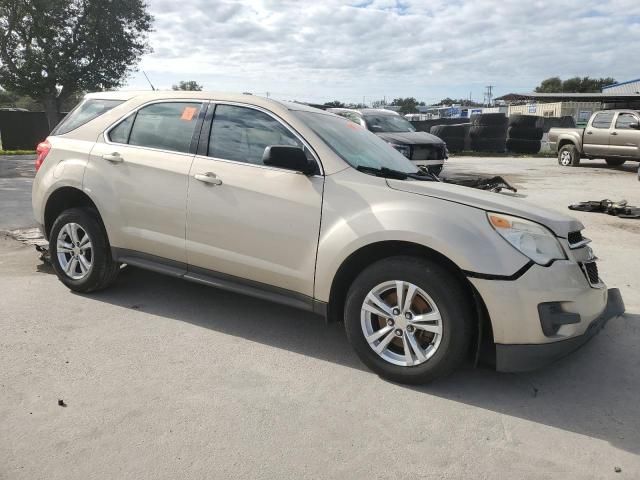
x: 422, y: 148
x: 292, y: 204
x: 610, y: 134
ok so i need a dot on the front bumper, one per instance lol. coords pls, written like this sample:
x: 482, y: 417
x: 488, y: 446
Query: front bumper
x: 520, y: 358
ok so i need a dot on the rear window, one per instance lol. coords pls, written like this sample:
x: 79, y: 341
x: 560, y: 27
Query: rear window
x: 83, y: 113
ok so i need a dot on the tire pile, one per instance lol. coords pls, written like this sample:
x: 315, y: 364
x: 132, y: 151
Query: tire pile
x: 524, y: 133
x: 488, y: 132
x: 452, y: 135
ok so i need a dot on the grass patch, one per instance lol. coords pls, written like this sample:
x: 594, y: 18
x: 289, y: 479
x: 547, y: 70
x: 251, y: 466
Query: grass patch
x: 17, y: 152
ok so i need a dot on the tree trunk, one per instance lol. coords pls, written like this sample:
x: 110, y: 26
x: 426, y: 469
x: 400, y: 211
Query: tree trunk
x: 51, y: 110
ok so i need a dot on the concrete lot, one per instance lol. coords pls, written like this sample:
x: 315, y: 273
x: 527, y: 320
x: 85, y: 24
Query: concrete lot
x: 167, y: 379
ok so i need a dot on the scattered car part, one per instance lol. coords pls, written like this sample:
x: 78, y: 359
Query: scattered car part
x: 492, y: 184
x: 619, y: 209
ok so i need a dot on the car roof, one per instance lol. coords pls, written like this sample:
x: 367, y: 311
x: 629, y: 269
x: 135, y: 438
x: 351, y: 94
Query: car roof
x: 363, y: 111
x: 147, y: 95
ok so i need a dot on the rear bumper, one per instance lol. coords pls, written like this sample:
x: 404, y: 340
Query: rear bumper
x: 525, y: 357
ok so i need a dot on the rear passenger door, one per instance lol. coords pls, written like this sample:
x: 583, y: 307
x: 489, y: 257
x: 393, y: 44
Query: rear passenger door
x: 246, y: 219
x: 138, y: 176
x: 625, y: 141
x: 597, y: 135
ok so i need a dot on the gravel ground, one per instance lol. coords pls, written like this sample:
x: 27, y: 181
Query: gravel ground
x: 161, y: 378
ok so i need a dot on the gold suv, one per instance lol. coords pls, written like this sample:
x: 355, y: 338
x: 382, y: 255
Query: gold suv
x: 300, y: 206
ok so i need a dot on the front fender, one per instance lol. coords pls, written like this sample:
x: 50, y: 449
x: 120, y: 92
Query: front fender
x: 357, y: 214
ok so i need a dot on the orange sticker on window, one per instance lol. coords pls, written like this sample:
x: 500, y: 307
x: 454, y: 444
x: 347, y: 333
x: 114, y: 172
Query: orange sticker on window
x: 188, y: 113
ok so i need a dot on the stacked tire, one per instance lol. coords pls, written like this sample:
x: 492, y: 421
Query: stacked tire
x: 524, y: 134
x: 488, y: 132
x: 452, y: 135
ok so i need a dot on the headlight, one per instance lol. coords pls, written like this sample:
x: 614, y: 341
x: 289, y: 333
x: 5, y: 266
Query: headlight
x: 530, y: 238
x: 403, y: 149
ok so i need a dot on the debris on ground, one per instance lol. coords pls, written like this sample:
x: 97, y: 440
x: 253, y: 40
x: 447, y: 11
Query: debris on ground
x: 617, y: 469
x: 61, y: 403
x: 492, y: 184
x: 619, y: 209
x: 33, y: 236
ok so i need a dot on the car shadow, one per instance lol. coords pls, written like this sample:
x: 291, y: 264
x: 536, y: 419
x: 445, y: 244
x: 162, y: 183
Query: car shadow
x: 593, y: 392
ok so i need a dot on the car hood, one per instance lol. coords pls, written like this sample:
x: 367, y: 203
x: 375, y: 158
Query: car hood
x: 410, y: 138
x: 559, y: 223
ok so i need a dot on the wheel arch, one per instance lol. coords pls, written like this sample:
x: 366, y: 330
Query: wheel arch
x: 63, y: 199
x: 368, y: 254
x: 565, y: 141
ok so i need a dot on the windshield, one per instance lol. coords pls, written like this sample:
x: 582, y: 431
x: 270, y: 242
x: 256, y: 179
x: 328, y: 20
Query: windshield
x: 355, y: 144
x: 388, y: 123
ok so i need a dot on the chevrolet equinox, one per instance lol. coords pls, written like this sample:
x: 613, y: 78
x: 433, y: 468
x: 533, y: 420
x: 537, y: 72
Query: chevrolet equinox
x: 299, y: 206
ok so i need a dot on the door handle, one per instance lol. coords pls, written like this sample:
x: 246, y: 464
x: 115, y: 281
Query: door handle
x: 614, y: 133
x: 589, y: 133
x: 114, y: 157
x: 208, y: 177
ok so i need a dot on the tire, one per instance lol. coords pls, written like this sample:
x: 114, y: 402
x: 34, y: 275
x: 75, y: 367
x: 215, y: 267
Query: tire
x: 525, y: 121
x: 615, y: 162
x: 496, y: 145
x: 454, y: 144
x: 487, y: 131
x: 568, y: 156
x: 451, y: 300
x: 489, y: 119
x: 102, y: 270
x: 525, y: 133
x: 518, y: 145
x: 448, y: 131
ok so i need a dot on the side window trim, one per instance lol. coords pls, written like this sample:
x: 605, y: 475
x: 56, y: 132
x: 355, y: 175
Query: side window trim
x: 135, y: 111
x: 203, y: 150
x: 604, y: 114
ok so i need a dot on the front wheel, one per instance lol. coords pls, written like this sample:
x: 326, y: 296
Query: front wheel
x: 569, y: 156
x: 615, y: 162
x: 80, y: 251
x: 409, y: 319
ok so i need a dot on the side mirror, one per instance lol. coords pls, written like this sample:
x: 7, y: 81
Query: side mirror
x: 291, y: 158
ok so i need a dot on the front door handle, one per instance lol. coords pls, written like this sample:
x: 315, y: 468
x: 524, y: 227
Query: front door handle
x: 114, y: 157
x: 614, y: 133
x: 589, y: 133
x: 208, y: 177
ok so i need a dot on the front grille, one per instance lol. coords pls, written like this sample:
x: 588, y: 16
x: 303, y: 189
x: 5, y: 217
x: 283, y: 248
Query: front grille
x: 574, y: 237
x: 427, y: 152
x: 591, y: 272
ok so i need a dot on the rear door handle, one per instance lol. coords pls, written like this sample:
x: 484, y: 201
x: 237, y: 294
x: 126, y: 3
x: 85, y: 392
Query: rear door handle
x: 208, y: 177
x: 589, y: 133
x: 114, y: 157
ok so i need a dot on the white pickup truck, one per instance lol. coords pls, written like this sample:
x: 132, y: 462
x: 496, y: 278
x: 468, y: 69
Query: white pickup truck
x: 610, y: 134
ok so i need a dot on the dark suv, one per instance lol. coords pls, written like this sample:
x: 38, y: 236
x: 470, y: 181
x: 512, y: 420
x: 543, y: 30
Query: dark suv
x: 422, y: 148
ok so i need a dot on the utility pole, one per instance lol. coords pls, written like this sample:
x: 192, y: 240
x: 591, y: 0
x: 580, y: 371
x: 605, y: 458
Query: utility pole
x: 488, y: 95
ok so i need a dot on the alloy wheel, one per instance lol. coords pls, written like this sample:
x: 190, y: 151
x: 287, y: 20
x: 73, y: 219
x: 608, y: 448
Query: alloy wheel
x: 565, y: 158
x: 401, y: 323
x: 74, y: 251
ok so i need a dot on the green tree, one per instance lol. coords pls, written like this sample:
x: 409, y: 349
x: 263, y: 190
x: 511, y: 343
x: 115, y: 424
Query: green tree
x: 53, y: 49
x: 464, y: 102
x: 407, y: 105
x: 574, y: 85
x: 550, y: 85
x: 335, y: 104
x: 188, y: 85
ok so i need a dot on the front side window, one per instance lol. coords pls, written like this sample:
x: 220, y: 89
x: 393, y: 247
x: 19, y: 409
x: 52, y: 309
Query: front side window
x: 602, y: 120
x: 354, y: 144
x: 625, y: 120
x: 167, y: 126
x: 83, y: 113
x: 388, y: 123
x: 242, y: 134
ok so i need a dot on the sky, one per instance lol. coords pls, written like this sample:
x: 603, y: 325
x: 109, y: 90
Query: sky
x: 322, y: 50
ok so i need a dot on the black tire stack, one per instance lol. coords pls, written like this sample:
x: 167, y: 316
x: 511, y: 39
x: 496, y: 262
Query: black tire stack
x: 452, y: 135
x: 525, y: 133
x: 488, y: 132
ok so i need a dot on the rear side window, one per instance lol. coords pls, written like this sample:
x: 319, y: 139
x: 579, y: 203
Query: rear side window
x: 83, y: 113
x: 602, y: 120
x: 167, y: 126
x: 624, y: 120
x: 242, y: 134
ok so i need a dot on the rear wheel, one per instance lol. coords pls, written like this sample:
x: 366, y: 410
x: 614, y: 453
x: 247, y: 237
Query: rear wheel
x: 615, y: 162
x: 409, y: 319
x: 80, y: 251
x: 568, y: 156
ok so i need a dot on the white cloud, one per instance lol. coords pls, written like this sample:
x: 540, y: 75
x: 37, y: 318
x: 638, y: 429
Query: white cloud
x: 330, y: 49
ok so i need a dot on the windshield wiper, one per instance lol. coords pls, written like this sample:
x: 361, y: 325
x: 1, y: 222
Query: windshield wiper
x: 396, y: 174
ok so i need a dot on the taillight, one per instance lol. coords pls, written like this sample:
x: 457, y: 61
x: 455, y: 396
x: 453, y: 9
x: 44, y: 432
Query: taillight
x: 42, y: 150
